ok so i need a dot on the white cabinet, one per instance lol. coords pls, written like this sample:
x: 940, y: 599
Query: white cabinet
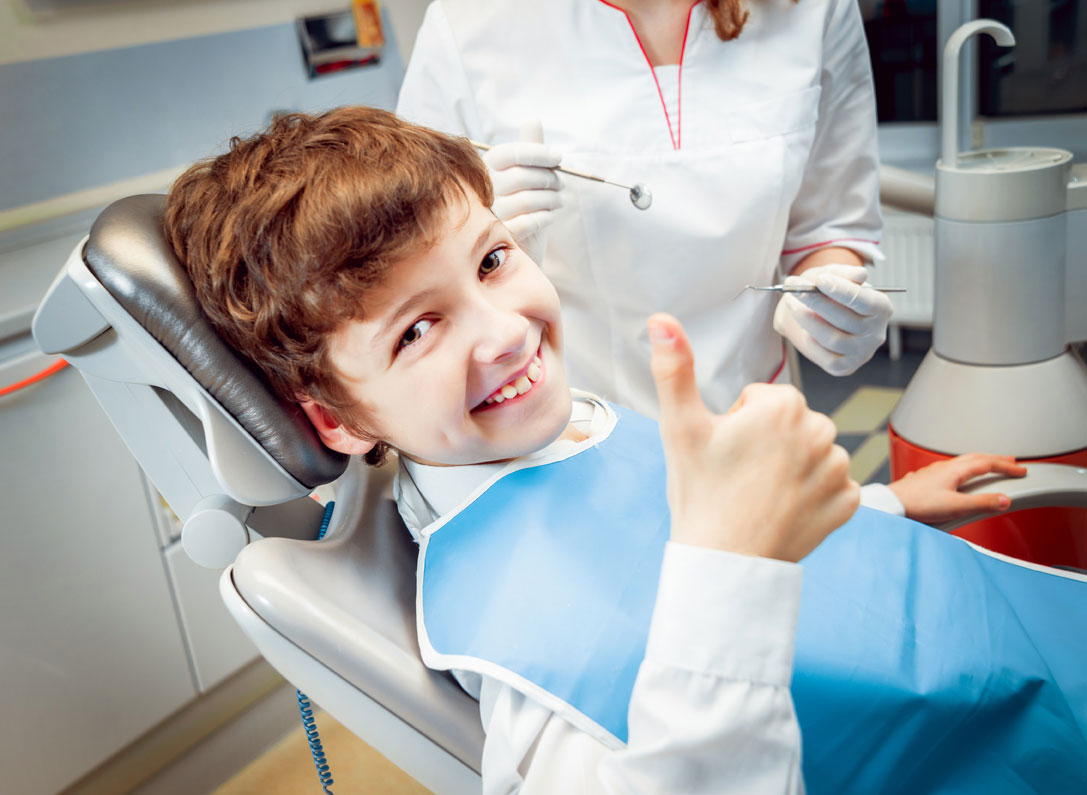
x: 105, y: 630
x: 92, y: 652
x: 217, y: 646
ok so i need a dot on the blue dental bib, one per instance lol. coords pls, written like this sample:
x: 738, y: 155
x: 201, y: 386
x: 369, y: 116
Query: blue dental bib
x: 921, y: 664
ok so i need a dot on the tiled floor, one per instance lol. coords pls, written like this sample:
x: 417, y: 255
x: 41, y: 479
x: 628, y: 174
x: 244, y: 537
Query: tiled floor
x: 287, y: 767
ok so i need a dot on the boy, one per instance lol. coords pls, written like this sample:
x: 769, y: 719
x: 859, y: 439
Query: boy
x: 353, y: 258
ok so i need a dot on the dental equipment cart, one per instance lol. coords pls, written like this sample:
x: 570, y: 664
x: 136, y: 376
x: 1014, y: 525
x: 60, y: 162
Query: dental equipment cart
x: 1011, y: 300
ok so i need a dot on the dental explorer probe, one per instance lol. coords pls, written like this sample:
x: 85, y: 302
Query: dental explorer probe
x: 640, y: 195
x: 811, y: 288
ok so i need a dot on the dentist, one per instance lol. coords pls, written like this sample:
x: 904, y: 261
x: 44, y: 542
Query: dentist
x: 753, y: 123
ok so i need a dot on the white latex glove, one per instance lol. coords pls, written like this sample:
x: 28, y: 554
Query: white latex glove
x: 838, y: 327
x: 526, y: 187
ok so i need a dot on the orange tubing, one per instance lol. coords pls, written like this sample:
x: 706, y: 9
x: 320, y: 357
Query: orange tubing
x: 52, y: 369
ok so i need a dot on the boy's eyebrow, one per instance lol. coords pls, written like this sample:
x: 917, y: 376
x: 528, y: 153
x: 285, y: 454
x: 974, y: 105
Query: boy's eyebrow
x: 406, y: 308
x: 481, y: 241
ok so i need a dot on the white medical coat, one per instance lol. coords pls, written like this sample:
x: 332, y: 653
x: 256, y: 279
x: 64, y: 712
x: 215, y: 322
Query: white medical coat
x: 767, y: 152
x: 711, y: 710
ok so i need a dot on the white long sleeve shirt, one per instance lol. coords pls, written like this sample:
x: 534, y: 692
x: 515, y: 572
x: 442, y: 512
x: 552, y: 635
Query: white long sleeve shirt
x: 711, y: 710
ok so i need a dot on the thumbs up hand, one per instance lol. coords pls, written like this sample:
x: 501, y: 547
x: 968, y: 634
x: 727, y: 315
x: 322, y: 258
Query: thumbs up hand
x: 763, y: 479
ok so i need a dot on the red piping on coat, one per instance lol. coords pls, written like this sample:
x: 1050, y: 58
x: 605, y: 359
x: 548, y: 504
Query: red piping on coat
x: 677, y: 135
x: 827, y: 243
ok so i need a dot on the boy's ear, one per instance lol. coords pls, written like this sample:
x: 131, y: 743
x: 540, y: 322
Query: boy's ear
x: 333, y: 434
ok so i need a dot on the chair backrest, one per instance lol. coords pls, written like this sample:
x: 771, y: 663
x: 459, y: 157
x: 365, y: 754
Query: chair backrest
x: 128, y: 254
x: 206, y: 426
x: 201, y: 420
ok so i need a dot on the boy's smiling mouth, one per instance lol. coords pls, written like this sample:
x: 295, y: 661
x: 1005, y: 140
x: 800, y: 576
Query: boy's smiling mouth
x: 517, y: 387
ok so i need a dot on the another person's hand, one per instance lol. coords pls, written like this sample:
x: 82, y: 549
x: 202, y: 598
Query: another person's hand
x: 931, y: 494
x: 841, y: 325
x: 526, y: 187
x: 764, y: 479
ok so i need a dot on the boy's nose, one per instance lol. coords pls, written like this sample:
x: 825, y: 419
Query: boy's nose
x: 502, y: 335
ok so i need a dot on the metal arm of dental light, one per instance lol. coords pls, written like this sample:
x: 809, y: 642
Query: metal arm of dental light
x: 907, y: 190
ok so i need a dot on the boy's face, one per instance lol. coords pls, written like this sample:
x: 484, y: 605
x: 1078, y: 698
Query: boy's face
x: 449, y: 335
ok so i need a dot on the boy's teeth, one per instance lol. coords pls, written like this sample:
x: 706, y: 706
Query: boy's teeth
x: 519, y: 386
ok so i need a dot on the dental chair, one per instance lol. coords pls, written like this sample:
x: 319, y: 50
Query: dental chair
x: 335, y: 617
x: 235, y: 463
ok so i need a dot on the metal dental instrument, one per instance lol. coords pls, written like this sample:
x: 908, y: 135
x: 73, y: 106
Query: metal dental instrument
x: 640, y: 195
x: 811, y: 288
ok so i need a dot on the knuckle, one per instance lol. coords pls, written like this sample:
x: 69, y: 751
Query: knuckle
x: 839, y: 460
x: 853, y: 493
x: 827, y: 428
x: 754, y: 393
x: 792, y: 397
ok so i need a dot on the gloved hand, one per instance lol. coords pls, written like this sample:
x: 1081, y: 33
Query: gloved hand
x: 526, y: 188
x: 838, y: 327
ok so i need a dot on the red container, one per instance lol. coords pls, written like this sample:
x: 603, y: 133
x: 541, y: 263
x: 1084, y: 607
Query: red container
x: 1050, y: 536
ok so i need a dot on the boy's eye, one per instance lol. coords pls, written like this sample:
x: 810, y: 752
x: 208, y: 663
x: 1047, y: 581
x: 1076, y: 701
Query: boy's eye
x: 414, y: 334
x: 493, y: 261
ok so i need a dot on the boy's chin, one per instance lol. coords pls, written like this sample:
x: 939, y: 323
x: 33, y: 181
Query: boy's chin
x: 524, y: 439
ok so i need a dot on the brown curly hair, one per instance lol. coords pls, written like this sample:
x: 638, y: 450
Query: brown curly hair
x: 729, y: 17
x: 284, y: 234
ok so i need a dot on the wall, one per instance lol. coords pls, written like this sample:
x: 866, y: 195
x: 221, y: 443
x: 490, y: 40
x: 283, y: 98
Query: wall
x: 96, y: 116
x: 33, y: 31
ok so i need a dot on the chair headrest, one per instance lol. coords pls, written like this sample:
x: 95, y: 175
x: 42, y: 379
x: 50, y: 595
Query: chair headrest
x: 128, y: 253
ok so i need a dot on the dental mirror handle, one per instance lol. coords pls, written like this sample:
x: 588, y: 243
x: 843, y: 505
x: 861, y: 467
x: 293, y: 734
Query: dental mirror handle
x: 636, y: 191
x: 811, y: 288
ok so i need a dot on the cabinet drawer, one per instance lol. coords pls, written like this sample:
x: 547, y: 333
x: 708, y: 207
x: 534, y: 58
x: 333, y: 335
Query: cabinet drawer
x: 217, y: 644
x: 93, y: 653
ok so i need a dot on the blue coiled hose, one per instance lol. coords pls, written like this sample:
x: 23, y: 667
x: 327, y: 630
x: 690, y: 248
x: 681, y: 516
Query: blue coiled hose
x: 304, y: 707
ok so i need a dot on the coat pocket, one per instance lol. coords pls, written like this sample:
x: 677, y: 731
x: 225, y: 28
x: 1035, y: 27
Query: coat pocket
x: 780, y: 115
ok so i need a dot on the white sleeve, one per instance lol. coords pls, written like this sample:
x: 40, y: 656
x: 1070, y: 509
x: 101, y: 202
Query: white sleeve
x: 880, y: 497
x: 711, y: 710
x: 435, y: 92
x: 838, y: 201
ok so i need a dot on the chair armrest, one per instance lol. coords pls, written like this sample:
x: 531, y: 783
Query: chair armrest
x: 1044, y: 485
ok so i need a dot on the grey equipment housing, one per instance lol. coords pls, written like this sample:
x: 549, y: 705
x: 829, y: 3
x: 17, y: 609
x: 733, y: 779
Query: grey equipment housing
x: 1010, y: 296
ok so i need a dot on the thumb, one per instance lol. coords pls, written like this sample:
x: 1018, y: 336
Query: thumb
x: 672, y: 363
x: 531, y: 131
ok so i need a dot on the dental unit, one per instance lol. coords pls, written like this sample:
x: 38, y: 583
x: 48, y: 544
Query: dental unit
x: 1010, y: 300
